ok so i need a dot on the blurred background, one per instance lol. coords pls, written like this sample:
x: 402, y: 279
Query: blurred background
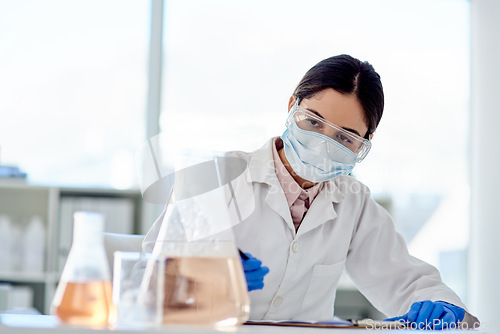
x: 84, y: 83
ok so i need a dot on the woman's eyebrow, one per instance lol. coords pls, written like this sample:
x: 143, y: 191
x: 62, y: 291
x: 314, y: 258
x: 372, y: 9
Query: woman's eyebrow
x: 347, y: 129
x: 316, y: 113
x: 352, y: 130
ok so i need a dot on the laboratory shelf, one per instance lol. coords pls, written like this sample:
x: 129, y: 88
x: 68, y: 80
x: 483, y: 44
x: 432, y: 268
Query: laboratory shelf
x: 20, y: 201
x: 14, y: 276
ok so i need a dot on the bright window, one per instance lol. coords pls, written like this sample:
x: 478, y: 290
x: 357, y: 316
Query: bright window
x: 73, y: 87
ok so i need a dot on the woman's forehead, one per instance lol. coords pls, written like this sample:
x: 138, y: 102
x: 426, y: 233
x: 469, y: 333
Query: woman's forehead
x: 344, y: 110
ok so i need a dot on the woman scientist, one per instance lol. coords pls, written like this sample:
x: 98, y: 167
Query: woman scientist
x: 312, y: 221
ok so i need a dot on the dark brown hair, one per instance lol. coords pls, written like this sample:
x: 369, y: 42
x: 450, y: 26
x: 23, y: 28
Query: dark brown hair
x: 347, y: 75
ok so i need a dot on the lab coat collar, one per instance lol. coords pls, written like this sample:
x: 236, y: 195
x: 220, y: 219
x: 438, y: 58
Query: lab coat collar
x: 261, y: 164
x: 332, y: 191
x: 320, y: 212
x: 322, y: 209
x: 261, y: 167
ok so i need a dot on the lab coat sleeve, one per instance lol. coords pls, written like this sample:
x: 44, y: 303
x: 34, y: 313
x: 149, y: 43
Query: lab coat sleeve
x: 379, y: 264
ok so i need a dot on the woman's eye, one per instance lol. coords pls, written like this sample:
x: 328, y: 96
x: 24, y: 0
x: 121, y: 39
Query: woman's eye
x: 313, y: 122
x: 344, y: 139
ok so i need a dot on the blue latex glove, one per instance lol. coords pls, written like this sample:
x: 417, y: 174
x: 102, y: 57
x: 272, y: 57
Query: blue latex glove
x: 254, y: 271
x: 432, y: 315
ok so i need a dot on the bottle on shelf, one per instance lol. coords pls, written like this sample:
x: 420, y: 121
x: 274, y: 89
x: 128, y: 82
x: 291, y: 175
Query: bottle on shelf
x: 5, y: 243
x: 34, y: 246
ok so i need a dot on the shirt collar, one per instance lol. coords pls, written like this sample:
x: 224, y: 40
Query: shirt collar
x: 262, y: 170
x: 290, y: 187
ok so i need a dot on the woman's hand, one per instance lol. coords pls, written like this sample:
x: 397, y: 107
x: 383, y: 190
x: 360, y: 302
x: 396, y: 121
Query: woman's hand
x: 254, y: 271
x: 432, y: 315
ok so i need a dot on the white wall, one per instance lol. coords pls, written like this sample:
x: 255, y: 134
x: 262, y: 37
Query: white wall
x: 485, y: 161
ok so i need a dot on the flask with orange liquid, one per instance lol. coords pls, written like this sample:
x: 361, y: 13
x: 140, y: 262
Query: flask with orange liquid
x: 83, y: 296
x: 203, y: 281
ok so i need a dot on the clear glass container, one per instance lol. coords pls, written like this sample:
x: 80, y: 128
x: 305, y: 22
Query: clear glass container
x: 204, y: 282
x: 83, y: 295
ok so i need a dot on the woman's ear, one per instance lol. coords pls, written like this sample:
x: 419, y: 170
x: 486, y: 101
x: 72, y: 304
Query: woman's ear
x: 291, y: 102
x: 371, y: 136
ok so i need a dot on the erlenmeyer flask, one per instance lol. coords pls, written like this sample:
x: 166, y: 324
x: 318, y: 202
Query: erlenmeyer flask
x: 201, y: 190
x: 204, y: 282
x: 83, y: 296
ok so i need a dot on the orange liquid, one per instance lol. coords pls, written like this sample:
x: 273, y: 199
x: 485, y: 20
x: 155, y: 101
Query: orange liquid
x: 86, y: 304
x: 205, y: 291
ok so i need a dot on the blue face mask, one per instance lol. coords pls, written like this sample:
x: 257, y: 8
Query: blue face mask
x: 316, y: 157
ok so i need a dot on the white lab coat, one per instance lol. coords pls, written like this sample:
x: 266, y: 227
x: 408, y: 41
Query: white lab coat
x: 344, y: 229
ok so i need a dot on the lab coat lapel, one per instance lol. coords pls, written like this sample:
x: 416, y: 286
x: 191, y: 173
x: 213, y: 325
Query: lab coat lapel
x: 262, y: 170
x: 276, y: 200
x: 321, y: 209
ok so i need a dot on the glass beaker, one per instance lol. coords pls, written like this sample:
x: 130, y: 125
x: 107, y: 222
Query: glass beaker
x: 138, y: 305
x: 83, y: 295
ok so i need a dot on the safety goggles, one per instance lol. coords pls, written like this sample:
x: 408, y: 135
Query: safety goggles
x: 308, y: 121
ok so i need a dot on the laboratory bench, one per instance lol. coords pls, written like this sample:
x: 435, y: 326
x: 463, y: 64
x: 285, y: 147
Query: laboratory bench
x: 44, y: 324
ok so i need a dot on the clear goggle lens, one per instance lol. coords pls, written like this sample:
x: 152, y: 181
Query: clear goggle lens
x: 308, y: 121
